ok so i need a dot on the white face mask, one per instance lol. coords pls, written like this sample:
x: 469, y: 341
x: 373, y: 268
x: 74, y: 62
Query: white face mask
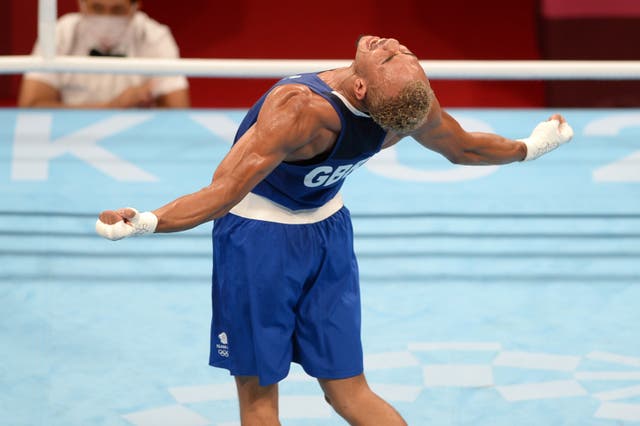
x: 104, y: 32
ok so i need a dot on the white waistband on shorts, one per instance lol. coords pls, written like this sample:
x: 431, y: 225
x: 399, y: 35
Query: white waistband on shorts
x: 257, y: 207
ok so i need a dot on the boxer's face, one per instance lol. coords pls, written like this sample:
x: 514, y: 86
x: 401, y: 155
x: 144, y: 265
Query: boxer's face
x: 386, y: 64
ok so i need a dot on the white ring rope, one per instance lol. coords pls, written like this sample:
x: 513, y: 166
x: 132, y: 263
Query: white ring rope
x: 261, y: 68
x: 254, y: 68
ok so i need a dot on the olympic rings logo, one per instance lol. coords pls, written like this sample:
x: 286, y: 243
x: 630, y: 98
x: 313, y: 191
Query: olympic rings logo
x: 223, y: 353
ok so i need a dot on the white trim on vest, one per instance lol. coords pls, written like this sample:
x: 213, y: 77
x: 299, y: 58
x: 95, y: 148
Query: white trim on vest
x: 348, y: 105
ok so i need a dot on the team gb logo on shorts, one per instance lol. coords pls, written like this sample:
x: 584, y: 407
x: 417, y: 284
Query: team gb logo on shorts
x: 223, y: 348
x: 223, y: 338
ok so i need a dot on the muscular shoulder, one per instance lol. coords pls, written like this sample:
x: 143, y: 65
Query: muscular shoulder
x: 299, y: 121
x: 301, y: 103
x: 293, y: 96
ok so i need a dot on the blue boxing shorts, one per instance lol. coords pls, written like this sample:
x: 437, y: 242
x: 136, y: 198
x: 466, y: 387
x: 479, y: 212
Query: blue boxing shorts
x: 285, y: 289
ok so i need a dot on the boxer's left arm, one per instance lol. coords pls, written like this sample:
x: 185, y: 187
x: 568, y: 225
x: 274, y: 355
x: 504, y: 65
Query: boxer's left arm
x: 442, y: 133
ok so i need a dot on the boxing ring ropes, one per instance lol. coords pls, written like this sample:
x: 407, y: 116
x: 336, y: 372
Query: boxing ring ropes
x: 497, y: 294
x: 48, y: 61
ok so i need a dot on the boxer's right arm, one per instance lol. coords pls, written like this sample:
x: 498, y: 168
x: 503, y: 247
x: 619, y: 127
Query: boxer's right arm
x: 284, y: 125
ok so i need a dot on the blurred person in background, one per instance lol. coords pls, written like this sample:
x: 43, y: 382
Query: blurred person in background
x: 107, y: 28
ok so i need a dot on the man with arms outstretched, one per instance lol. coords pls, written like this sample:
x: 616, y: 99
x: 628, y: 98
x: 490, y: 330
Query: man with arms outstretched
x: 285, y: 278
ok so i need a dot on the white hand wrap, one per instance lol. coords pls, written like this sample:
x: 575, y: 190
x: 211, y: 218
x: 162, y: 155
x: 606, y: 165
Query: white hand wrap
x: 546, y: 137
x: 140, y: 224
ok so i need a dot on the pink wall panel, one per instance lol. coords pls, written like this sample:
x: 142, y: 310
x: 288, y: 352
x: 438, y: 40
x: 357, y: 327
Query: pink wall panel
x: 591, y: 8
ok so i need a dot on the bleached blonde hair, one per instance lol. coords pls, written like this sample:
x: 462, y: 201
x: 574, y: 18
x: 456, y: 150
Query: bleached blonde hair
x: 405, y: 111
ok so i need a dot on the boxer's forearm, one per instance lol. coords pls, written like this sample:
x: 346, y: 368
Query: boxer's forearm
x: 192, y: 210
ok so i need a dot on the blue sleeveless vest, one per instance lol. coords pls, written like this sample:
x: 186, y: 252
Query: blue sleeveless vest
x: 310, y: 184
